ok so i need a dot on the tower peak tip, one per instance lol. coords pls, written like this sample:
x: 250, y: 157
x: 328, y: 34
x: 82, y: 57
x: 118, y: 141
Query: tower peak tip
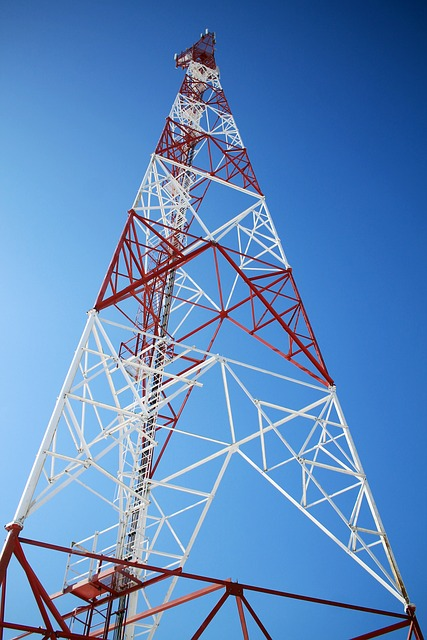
x: 202, y: 51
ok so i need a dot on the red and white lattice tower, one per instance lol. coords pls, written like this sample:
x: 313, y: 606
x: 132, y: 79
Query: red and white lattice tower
x: 135, y: 449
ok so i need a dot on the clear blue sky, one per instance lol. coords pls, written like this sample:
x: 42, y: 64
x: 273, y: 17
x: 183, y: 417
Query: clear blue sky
x: 330, y: 99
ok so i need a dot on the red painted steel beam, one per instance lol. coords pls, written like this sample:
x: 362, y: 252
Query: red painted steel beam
x: 417, y: 629
x: 242, y: 618
x: 383, y: 631
x: 231, y: 588
x: 255, y: 617
x: 137, y: 284
x: 114, y: 258
x: 2, y: 607
x: 8, y: 548
x: 319, y: 365
x: 219, y: 581
x: 27, y: 630
x: 329, y: 603
x: 206, y: 622
x: 42, y: 597
x: 164, y: 607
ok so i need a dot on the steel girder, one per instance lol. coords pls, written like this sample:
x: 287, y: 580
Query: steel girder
x: 91, y: 618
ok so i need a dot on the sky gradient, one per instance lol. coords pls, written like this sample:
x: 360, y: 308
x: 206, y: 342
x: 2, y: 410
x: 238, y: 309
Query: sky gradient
x: 330, y: 100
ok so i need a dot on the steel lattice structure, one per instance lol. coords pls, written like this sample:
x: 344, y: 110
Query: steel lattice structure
x: 198, y: 291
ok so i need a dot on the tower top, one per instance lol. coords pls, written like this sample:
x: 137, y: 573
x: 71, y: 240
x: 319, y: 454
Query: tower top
x: 202, y: 51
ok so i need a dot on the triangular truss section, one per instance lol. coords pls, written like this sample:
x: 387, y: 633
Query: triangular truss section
x: 303, y: 448
x: 253, y: 284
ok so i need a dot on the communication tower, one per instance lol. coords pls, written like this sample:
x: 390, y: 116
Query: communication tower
x: 198, y: 349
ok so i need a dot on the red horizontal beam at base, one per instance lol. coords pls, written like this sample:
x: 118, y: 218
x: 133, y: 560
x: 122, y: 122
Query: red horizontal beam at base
x: 27, y: 630
x: 233, y: 589
x: 218, y: 581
